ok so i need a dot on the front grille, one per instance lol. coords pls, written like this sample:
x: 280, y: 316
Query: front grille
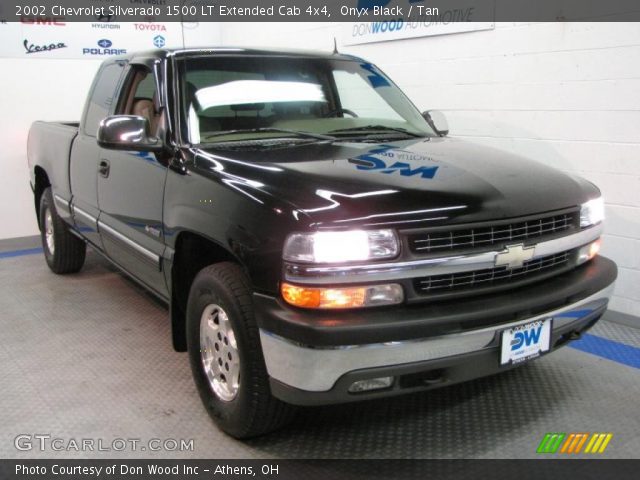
x: 464, y: 239
x: 463, y: 281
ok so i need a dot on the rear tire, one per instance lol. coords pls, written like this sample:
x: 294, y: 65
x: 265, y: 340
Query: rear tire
x: 226, y: 355
x: 63, y: 251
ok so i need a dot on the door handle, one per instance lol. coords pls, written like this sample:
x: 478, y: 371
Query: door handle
x: 103, y: 168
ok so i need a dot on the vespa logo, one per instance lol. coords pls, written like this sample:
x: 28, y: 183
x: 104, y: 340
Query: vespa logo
x: 46, y: 47
x: 514, y: 256
x: 525, y: 338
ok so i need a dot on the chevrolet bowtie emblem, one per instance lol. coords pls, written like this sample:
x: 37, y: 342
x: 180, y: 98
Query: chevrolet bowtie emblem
x: 514, y: 256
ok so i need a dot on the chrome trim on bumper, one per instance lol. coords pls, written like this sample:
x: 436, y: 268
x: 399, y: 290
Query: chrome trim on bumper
x: 316, y: 369
x: 379, y: 272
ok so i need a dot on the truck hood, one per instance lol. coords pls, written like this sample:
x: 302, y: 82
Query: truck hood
x: 412, y: 183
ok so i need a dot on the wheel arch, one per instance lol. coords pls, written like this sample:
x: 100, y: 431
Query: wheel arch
x: 41, y: 184
x: 193, y: 252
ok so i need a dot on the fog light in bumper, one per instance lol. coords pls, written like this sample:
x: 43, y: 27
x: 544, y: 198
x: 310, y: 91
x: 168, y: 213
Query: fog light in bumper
x: 371, y: 384
x: 349, y: 297
x: 589, y: 251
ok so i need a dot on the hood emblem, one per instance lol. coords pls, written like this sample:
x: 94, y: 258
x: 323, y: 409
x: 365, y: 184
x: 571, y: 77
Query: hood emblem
x: 514, y: 256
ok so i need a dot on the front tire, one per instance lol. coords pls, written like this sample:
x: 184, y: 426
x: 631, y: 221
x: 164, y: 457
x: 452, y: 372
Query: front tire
x: 226, y: 355
x: 63, y: 251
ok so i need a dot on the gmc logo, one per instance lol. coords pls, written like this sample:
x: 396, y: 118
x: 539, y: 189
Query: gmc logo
x: 55, y: 21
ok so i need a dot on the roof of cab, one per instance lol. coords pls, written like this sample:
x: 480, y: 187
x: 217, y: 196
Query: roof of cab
x: 239, y: 51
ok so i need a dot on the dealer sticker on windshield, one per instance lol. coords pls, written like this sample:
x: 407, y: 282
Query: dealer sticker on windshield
x: 525, y: 342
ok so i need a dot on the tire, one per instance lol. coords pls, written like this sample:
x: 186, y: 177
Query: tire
x: 221, y: 325
x: 63, y: 251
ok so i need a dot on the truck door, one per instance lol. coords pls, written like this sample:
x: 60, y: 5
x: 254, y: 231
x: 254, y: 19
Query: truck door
x: 83, y: 170
x: 131, y: 190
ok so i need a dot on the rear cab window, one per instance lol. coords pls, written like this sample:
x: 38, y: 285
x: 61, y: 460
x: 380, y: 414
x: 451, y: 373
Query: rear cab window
x: 104, y: 89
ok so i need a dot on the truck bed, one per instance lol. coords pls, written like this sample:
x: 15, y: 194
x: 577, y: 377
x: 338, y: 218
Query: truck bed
x: 49, y: 146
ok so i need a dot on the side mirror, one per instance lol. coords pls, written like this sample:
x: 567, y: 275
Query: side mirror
x: 127, y: 132
x: 438, y: 121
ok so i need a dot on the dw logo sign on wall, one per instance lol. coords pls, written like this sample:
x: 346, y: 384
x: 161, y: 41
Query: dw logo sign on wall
x: 457, y: 16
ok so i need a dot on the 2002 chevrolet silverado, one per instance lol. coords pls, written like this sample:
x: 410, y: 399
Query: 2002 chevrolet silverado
x: 317, y: 238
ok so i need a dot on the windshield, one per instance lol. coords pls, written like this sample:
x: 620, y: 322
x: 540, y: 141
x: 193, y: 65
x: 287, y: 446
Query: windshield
x: 228, y: 99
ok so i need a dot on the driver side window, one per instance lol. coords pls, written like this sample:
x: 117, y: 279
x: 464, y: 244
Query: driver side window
x: 141, y: 98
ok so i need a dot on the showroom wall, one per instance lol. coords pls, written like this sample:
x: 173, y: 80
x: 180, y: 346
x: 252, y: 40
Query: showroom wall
x: 564, y: 94
x: 46, y: 89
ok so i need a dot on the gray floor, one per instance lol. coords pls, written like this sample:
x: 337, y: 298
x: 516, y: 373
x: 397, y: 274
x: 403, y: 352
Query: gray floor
x: 89, y: 356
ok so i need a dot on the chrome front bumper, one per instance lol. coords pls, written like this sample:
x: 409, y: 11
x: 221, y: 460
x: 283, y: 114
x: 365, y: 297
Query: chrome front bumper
x: 317, y: 369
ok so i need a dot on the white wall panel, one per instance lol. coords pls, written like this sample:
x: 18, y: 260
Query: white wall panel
x: 43, y: 89
x: 36, y: 88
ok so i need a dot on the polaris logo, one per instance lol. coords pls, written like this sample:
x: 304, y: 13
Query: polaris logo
x: 105, y: 49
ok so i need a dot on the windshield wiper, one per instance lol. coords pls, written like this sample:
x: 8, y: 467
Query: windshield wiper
x: 316, y: 136
x: 377, y: 128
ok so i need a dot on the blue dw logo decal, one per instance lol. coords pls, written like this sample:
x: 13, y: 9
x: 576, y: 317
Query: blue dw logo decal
x: 385, y: 160
x: 526, y: 338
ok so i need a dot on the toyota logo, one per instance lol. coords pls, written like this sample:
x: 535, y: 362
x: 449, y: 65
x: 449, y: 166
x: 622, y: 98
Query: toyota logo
x: 104, y: 43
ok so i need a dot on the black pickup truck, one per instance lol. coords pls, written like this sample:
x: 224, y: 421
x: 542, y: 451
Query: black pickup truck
x: 317, y: 238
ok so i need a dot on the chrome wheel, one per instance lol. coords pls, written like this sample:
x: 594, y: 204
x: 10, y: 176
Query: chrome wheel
x: 48, y: 231
x: 219, y: 352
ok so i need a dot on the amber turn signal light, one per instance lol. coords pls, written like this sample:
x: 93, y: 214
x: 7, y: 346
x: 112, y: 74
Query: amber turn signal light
x: 349, y: 297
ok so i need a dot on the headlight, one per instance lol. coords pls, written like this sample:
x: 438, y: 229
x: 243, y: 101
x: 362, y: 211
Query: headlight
x: 592, y: 212
x: 337, y: 247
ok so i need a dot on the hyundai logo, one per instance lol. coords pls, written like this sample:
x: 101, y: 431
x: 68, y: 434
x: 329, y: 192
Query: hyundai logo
x: 158, y: 41
x: 104, y: 43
